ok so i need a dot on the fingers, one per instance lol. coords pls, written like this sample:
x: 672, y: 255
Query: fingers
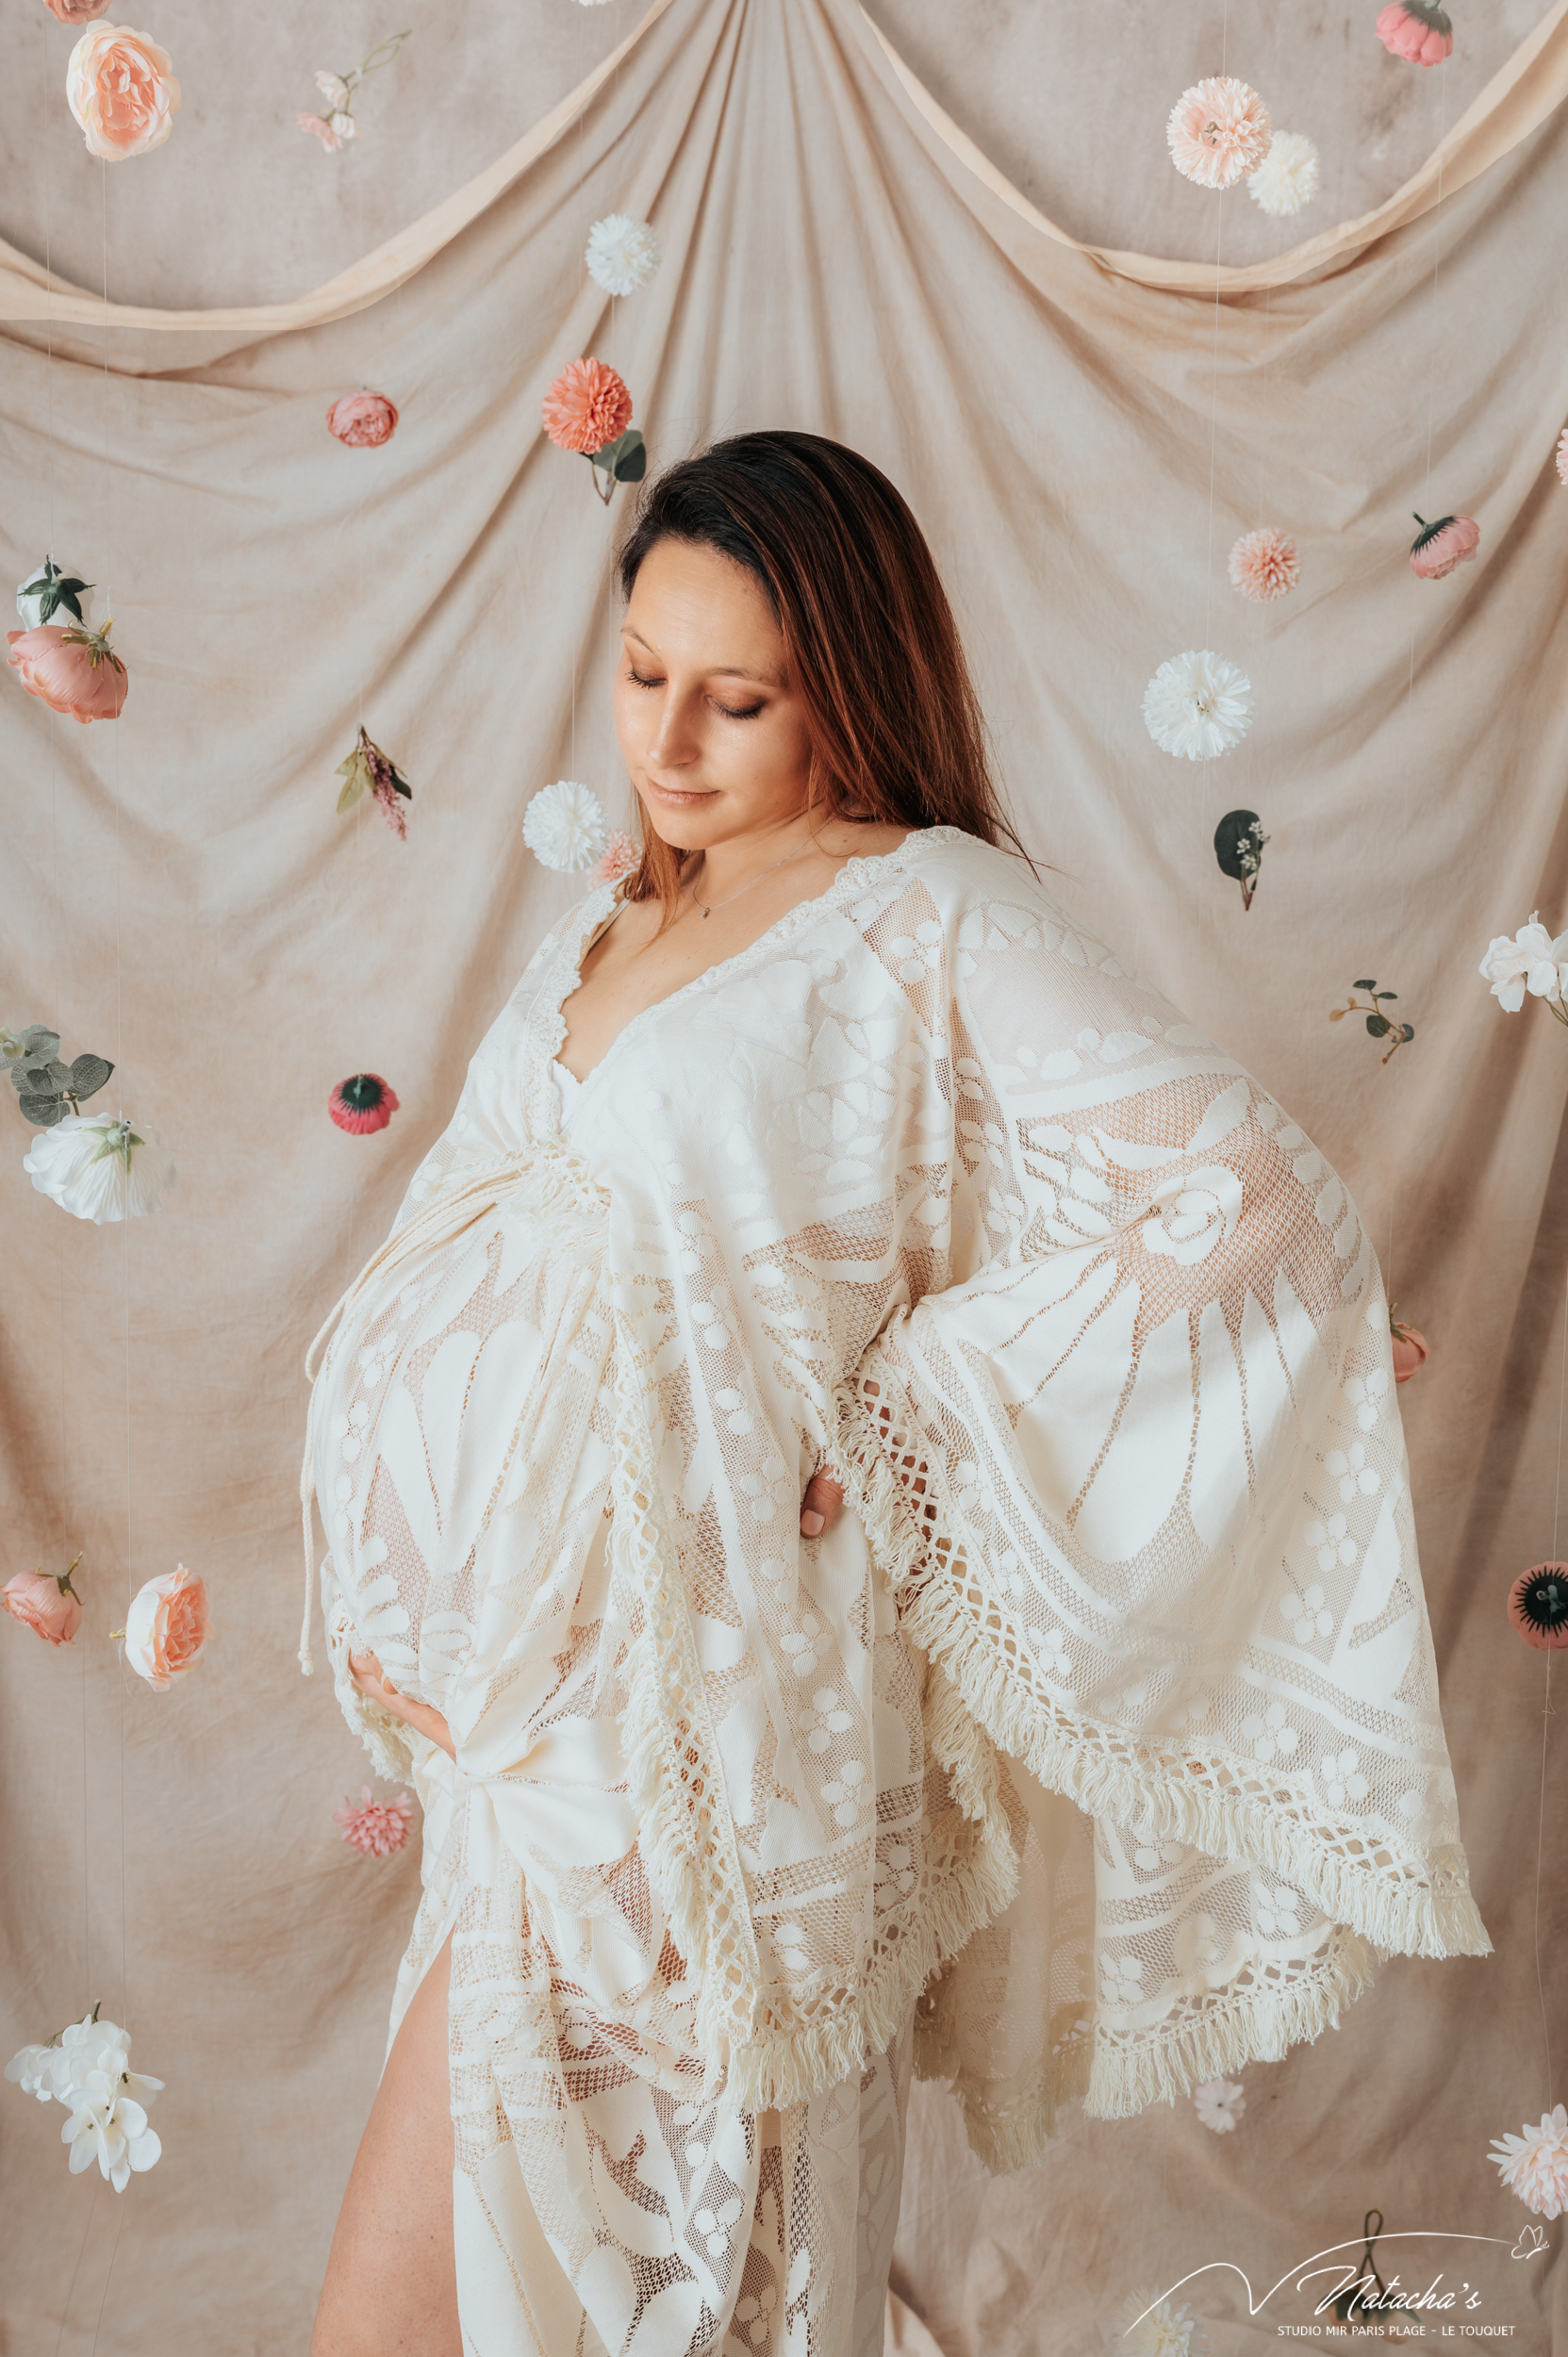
x: 819, y: 1508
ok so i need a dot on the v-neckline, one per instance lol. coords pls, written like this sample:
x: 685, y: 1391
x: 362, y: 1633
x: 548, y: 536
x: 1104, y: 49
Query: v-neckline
x: 856, y: 873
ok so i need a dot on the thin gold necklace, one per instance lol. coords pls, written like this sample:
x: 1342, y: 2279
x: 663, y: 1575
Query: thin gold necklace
x: 707, y: 910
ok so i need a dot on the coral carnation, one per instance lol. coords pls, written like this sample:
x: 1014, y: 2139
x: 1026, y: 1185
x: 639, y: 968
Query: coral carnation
x: 1534, y: 2164
x: 75, y: 672
x: 1288, y: 176
x: 1416, y: 30
x: 1265, y: 564
x: 1538, y: 1605
x: 1437, y: 548
x: 375, y: 1828
x: 363, y: 420
x: 586, y: 408
x: 362, y: 1104
x: 123, y: 91
x: 1219, y: 132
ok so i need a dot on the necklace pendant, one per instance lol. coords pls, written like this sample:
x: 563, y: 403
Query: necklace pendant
x: 702, y: 912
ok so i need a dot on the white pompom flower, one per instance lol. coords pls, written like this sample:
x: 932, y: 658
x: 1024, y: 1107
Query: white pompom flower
x: 622, y: 253
x: 1289, y: 175
x: 1198, y: 705
x: 99, y: 1167
x: 564, y: 826
x: 1534, y: 2163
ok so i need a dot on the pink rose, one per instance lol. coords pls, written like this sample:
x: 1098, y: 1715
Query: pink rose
x: 1437, y: 548
x: 75, y: 11
x: 75, y: 672
x: 49, y: 1606
x: 122, y: 91
x: 363, y: 420
x: 1416, y: 30
x: 167, y: 1626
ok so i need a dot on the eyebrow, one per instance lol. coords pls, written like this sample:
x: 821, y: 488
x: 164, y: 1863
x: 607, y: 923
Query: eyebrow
x: 720, y: 671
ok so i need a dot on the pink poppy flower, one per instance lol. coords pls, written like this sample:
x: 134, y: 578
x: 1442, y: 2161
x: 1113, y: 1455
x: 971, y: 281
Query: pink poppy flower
x: 1437, y: 548
x: 75, y: 672
x: 46, y: 1603
x: 375, y: 1828
x: 362, y: 1104
x: 363, y: 420
x: 1219, y: 132
x: 618, y: 859
x: 167, y: 1626
x: 1416, y: 30
x: 75, y: 11
x: 1538, y: 1605
x: 123, y: 91
x: 1265, y: 564
x: 586, y: 406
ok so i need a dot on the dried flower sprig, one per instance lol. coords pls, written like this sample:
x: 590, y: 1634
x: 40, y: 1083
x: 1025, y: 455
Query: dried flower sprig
x: 340, y: 90
x: 369, y: 770
x: 1239, y: 841
x: 1377, y: 1023
x: 47, y: 1089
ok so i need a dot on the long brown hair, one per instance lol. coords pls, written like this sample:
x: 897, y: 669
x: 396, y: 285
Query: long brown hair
x: 871, y: 647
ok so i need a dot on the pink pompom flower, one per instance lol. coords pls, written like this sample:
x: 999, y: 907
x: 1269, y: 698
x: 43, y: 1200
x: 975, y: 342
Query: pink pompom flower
x: 123, y: 91
x: 586, y: 406
x: 1538, y: 1605
x: 362, y: 1104
x: 363, y: 420
x: 45, y: 1602
x: 618, y: 859
x: 1437, y: 548
x: 375, y: 1828
x: 1265, y: 564
x: 1534, y: 2164
x: 167, y: 1628
x: 75, y: 672
x: 1562, y: 457
x: 75, y: 11
x: 1417, y: 30
x: 1218, y: 131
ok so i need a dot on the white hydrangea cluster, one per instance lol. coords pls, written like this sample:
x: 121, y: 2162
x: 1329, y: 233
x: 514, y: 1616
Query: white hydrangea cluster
x: 88, y: 2070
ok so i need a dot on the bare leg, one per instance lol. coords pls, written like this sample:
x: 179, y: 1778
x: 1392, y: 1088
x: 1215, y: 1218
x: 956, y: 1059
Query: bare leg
x: 391, y: 2284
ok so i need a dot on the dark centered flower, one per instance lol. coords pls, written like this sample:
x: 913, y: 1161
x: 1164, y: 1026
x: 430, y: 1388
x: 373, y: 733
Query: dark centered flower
x: 363, y: 1103
x: 1538, y: 1605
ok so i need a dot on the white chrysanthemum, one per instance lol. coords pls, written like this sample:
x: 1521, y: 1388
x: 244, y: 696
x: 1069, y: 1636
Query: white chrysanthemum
x: 1534, y: 2164
x: 1165, y: 2331
x: 1198, y: 705
x: 101, y: 1168
x: 622, y: 253
x: 564, y: 826
x: 1219, y: 2103
x: 1288, y: 176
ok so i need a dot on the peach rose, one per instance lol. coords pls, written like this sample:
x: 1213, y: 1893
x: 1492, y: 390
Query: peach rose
x: 49, y: 1606
x: 1437, y: 548
x: 363, y: 420
x: 586, y: 406
x: 75, y: 11
x: 167, y: 1626
x: 122, y: 91
x: 75, y: 672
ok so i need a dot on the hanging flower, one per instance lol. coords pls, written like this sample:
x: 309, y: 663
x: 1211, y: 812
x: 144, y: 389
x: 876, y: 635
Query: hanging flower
x: 618, y: 859
x: 46, y: 1089
x: 1538, y: 1605
x: 51, y: 591
x: 1412, y: 1349
x: 586, y: 406
x: 1219, y: 2103
x: 375, y: 1828
x: 1378, y: 1025
x: 362, y: 1104
x: 1534, y: 962
x: 1416, y: 30
x: 1288, y: 176
x: 1534, y: 2163
x: 339, y: 91
x: 45, y: 1602
x: 75, y: 672
x: 75, y: 11
x: 1437, y: 548
x: 99, y: 1167
x: 319, y: 128
x: 123, y: 91
x: 363, y: 420
x: 622, y: 254
x: 1239, y: 841
x: 1562, y: 457
x: 1265, y: 564
x: 367, y: 769
x: 1147, y: 2326
x: 167, y: 1626
x: 86, y: 2068
x: 1218, y: 131
x: 564, y: 826
x: 1198, y: 705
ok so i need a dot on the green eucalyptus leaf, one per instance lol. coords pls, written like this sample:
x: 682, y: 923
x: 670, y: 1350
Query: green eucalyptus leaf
x: 39, y: 1042
x: 1378, y: 1025
x: 632, y: 464
x: 59, y: 1074
x: 1409, y: 1030
x: 44, y: 1112
x: 88, y: 1075
x: 1363, y: 986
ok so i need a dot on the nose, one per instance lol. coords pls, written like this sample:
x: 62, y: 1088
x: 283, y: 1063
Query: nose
x: 673, y: 744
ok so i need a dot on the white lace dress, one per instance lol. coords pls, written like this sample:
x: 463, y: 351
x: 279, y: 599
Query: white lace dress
x: 1100, y: 1733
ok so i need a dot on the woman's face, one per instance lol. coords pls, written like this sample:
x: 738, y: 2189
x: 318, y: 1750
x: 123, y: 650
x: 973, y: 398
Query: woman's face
x: 712, y: 738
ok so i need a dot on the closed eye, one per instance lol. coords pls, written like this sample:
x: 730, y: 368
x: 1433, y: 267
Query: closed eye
x: 730, y: 712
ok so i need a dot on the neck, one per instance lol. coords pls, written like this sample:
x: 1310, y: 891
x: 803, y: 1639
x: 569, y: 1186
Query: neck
x: 724, y: 867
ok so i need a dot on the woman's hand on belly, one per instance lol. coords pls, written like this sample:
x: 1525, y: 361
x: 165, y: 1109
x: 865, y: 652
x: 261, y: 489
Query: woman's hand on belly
x: 373, y: 1683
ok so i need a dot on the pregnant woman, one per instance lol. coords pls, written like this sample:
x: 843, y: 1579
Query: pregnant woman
x: 865, y: 1490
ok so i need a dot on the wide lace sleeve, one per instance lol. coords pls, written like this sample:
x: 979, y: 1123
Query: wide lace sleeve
x: 1141, y: 1481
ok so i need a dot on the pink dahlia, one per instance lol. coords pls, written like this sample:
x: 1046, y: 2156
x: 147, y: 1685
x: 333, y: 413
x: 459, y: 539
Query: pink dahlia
x: 1534, y: 2164
x: 618, y: 859
x: 75, y: 672
x: 1437, y: 548
x: 363, y: 420
x: 1538, y: 1605
x: 362, y: 1104
x: 1219, y: 132
x: 1416, y: 30
x: 375, y: 1828
x: 586, y: 406
x: 1265, y: 564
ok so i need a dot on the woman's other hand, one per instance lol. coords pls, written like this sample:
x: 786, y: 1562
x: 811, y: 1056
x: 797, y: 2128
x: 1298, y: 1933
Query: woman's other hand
x: 377, y: 1687
x: 819, y: 1508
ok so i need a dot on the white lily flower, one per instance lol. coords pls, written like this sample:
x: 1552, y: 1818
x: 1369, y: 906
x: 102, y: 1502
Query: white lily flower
x: 1533, y: 962
x: 99, y: 1167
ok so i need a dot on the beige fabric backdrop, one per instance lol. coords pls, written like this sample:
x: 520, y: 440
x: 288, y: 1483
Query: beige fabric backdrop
x: 180, y: 896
